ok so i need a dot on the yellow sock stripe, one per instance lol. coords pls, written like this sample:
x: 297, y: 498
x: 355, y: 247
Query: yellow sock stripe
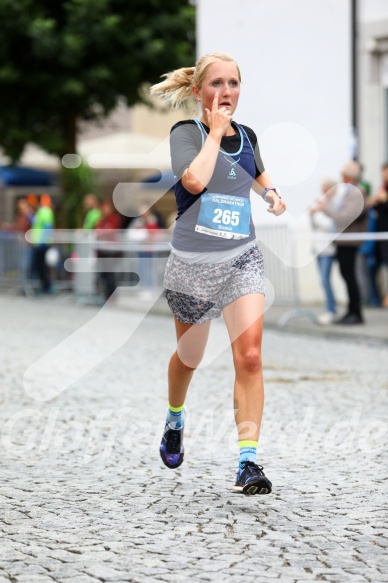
x: 247, y: 443
x: 176, y: 409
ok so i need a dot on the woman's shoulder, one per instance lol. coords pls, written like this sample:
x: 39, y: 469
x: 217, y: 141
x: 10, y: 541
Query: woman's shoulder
x: 181, y: 123
x: 250, y: 133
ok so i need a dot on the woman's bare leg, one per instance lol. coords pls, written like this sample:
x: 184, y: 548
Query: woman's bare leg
x: 191, y: 346
x: 244, y: 320
x: 192, y: 340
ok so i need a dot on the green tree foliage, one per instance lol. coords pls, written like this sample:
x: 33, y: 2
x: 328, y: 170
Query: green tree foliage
x: 63, y: 61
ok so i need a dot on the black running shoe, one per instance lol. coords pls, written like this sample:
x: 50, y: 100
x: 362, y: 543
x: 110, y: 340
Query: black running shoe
x: 171, y: 447
x: 252, y: 480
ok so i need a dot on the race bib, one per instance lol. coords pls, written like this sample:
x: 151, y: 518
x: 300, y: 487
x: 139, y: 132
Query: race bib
x: 225, y: 216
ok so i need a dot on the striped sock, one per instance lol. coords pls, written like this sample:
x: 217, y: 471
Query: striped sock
x: 176, y: 416
x: 247, y: 451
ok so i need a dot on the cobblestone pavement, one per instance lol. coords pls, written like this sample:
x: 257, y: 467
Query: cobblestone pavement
x: 84, y: 497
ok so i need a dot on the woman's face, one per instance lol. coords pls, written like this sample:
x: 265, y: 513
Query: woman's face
x: 221, y: 77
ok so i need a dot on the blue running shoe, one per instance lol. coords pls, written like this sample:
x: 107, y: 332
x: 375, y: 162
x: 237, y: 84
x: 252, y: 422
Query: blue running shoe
x: 251, y: 480
x: 171, y: 447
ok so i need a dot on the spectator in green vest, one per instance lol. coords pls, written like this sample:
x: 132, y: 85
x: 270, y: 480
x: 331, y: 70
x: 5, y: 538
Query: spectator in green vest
x: 42, y: 226
x: 93, y: 212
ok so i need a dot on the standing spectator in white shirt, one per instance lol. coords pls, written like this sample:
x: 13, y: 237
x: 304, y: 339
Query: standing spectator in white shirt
x: 324, y: 251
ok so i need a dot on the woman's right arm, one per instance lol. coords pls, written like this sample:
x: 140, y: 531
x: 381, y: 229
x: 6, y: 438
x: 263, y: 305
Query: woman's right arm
x: 197, y: 176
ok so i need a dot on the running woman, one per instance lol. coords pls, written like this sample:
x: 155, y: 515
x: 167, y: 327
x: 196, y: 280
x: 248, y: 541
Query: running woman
x: 215, y: 266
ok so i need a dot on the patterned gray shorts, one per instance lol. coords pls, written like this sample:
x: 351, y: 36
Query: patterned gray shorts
x: 198, y: 292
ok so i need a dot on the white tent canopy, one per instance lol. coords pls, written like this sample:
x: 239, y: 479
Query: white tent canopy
x: 105, y: 149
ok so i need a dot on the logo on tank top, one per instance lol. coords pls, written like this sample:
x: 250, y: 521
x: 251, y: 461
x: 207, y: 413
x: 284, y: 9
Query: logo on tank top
x: 232, y: 172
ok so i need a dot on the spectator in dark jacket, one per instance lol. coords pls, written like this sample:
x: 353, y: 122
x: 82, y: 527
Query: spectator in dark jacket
x: 348, y: 209
x: 379, y: 202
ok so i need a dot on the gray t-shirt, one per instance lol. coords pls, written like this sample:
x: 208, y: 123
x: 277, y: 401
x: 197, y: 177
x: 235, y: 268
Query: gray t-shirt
x: 238, y: 164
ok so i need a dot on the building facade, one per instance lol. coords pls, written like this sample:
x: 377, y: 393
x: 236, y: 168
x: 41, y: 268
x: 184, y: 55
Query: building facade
x: 372, y: 86
x: 315, y: 90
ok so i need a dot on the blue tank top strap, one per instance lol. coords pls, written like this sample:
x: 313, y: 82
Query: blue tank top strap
x: 246, y: 135
x: 201, y: 129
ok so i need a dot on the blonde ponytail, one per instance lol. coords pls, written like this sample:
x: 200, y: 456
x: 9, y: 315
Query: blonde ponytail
x: 176, y: 89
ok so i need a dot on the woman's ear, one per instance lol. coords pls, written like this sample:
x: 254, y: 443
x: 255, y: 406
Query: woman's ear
x: 195, y: 93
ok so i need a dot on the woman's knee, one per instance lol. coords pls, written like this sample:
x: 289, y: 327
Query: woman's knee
x: 187, y: 360
x: 248, y: 361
